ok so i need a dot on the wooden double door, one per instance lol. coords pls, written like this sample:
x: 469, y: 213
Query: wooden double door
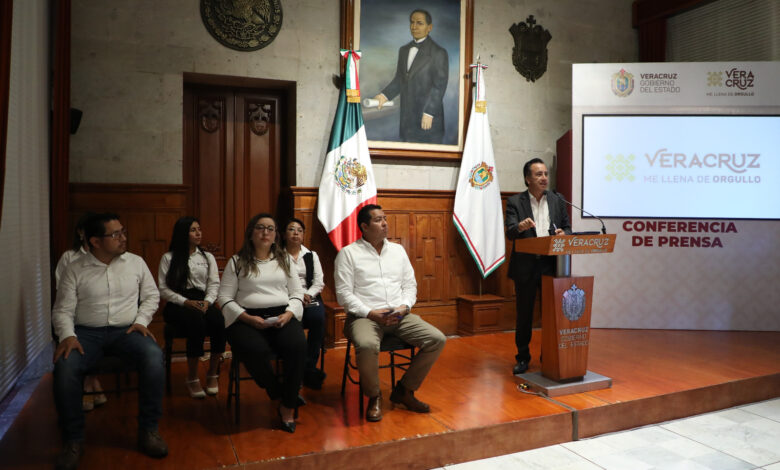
x: 234, y: 159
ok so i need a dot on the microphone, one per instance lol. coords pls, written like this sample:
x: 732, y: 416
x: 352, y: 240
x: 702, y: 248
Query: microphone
x: 560, y: 196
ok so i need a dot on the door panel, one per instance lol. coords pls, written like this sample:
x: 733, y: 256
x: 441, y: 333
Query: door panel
x: 232, y: 160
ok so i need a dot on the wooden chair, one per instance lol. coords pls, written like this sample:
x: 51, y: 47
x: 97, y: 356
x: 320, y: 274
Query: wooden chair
x: 390, y: 344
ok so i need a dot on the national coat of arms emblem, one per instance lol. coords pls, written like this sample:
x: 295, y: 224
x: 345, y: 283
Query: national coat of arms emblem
x: 350, y: 175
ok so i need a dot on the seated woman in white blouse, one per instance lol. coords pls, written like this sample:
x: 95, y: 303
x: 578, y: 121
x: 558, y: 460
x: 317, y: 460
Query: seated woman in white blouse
x: 261, y: 299
x: 310, y: 273
x: 188, y: 279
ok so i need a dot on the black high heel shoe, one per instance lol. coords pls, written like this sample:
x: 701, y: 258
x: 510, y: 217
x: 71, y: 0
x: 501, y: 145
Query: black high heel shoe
x: 288, y: 426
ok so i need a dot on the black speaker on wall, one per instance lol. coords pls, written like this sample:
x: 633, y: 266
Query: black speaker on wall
x: 75, y: 119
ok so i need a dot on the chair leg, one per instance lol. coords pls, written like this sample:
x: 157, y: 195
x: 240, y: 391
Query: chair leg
x: 392, y: 369
x: 230, y: 384
x: 168, y: 352
x: 360, y: 388
x: 346, y: 368
x: 238, y: 391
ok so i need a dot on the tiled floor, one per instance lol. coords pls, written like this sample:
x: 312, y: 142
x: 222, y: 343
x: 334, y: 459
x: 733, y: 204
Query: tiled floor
x: 743, y: 438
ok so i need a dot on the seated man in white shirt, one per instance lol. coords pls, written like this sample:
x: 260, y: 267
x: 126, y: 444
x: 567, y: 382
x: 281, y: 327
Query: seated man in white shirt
x: 105, y: 301
x: 375, y: 283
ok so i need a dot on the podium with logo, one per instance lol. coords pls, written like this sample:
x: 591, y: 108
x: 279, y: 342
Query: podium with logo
x: 566, y: 309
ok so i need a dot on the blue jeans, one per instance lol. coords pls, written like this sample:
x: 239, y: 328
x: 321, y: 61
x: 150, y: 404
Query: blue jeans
x: 135, y: 348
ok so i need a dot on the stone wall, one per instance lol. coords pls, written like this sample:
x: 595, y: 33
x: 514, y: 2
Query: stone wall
x: 128, y: 59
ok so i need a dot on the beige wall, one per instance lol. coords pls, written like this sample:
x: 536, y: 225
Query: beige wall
x: 128, y: 59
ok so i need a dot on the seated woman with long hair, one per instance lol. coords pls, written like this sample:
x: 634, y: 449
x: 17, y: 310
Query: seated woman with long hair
x: 188, y: 280
x: 261, y: 298
x: 310, y: 273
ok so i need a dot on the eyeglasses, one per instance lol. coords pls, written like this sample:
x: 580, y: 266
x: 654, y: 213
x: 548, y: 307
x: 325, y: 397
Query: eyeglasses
x: 263, y: 228
x: 117, y: 235
x: 295, y: 230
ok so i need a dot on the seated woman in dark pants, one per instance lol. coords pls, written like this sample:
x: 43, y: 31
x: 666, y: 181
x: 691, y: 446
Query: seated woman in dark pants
x: 188, y: 280
x: 310, y: 273
x: 261, y: 298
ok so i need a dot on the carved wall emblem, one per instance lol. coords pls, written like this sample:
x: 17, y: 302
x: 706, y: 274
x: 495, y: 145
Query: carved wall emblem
x: 573, y: 303
x: 243, y: 25
x: 209, y: 114
x: 530, y: 52
x: 259, y: 117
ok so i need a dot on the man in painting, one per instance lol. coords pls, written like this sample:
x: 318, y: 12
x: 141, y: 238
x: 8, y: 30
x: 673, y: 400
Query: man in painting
x: 421, y: 80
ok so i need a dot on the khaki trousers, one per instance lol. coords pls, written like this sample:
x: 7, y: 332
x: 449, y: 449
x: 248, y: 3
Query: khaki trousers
x: 366, y: 335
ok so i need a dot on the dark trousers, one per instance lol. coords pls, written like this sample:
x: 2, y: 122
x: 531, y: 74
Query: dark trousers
x: 196, y: 325
x: 69, y: 374
x: 255, y: 348
x: 314, y: 321
x: 525, y: 296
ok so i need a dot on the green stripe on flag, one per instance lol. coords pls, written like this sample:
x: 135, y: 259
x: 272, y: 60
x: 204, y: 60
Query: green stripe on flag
x: 346, y: 123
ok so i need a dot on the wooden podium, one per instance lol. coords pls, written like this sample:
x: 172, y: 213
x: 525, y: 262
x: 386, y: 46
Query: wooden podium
x: 566, y: 304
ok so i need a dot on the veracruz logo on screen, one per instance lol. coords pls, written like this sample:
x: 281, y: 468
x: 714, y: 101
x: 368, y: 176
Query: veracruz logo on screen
x: 733, y: 165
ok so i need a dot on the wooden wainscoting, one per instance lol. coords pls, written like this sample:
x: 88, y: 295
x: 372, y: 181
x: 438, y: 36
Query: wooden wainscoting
x: 421, y: 221
x: 147, y: 211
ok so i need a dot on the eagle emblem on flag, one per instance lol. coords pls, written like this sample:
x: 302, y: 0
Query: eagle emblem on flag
x: 350, y: 175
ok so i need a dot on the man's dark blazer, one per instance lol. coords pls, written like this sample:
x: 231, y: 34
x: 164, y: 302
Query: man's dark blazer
x: 518, y: 208
x: 422, y: 90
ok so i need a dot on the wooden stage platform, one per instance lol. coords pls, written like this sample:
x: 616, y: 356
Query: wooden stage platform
x: 477, y: 409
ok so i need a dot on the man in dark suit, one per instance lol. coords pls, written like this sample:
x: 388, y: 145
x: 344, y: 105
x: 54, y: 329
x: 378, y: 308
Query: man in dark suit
x: 421, y: 79
x: 533, y: 213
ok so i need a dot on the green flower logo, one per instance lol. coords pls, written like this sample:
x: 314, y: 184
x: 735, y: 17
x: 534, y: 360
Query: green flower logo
x: 620, y: 167
x: 714, y: 78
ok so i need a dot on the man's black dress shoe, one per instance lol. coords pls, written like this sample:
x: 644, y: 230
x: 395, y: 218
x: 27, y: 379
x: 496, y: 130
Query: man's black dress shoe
x: 402, y: 396
x: 70, y: 456
x: 152, y: 444
x: 374, y: 408
x: 520, y: 368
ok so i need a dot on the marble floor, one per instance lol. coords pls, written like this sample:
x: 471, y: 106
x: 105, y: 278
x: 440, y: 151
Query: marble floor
x: 741, y: 438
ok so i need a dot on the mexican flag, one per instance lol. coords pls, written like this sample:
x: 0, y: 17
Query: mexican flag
x: 478, y: 216
x: 347, y: 182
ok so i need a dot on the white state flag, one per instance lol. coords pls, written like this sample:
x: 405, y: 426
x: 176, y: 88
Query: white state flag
x: 478, y: 216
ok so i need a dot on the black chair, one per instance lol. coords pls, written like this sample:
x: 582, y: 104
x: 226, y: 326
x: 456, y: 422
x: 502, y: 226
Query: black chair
x: 390, y: 344
x: 235, y: 378
x: 116, y: 366
x: 171, y: 333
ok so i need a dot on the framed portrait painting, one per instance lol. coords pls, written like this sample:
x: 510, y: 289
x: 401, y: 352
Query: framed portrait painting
x: 413, y: 74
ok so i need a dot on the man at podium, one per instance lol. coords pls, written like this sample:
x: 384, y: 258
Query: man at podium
x: 532, y: 213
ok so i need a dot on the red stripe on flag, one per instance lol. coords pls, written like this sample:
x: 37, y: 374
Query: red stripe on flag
x: 347, y: 231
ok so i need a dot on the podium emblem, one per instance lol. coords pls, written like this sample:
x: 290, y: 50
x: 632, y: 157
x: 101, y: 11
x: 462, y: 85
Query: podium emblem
x: 573, y: 303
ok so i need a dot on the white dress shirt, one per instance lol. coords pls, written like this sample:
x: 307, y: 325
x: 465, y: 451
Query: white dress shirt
x: 367, y: 280
x: 91, y: 293
x: 318, y: 282
x: 270, y: 287
x: 541, y: 214
x: 204, y: 276
x: 67, y: 258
